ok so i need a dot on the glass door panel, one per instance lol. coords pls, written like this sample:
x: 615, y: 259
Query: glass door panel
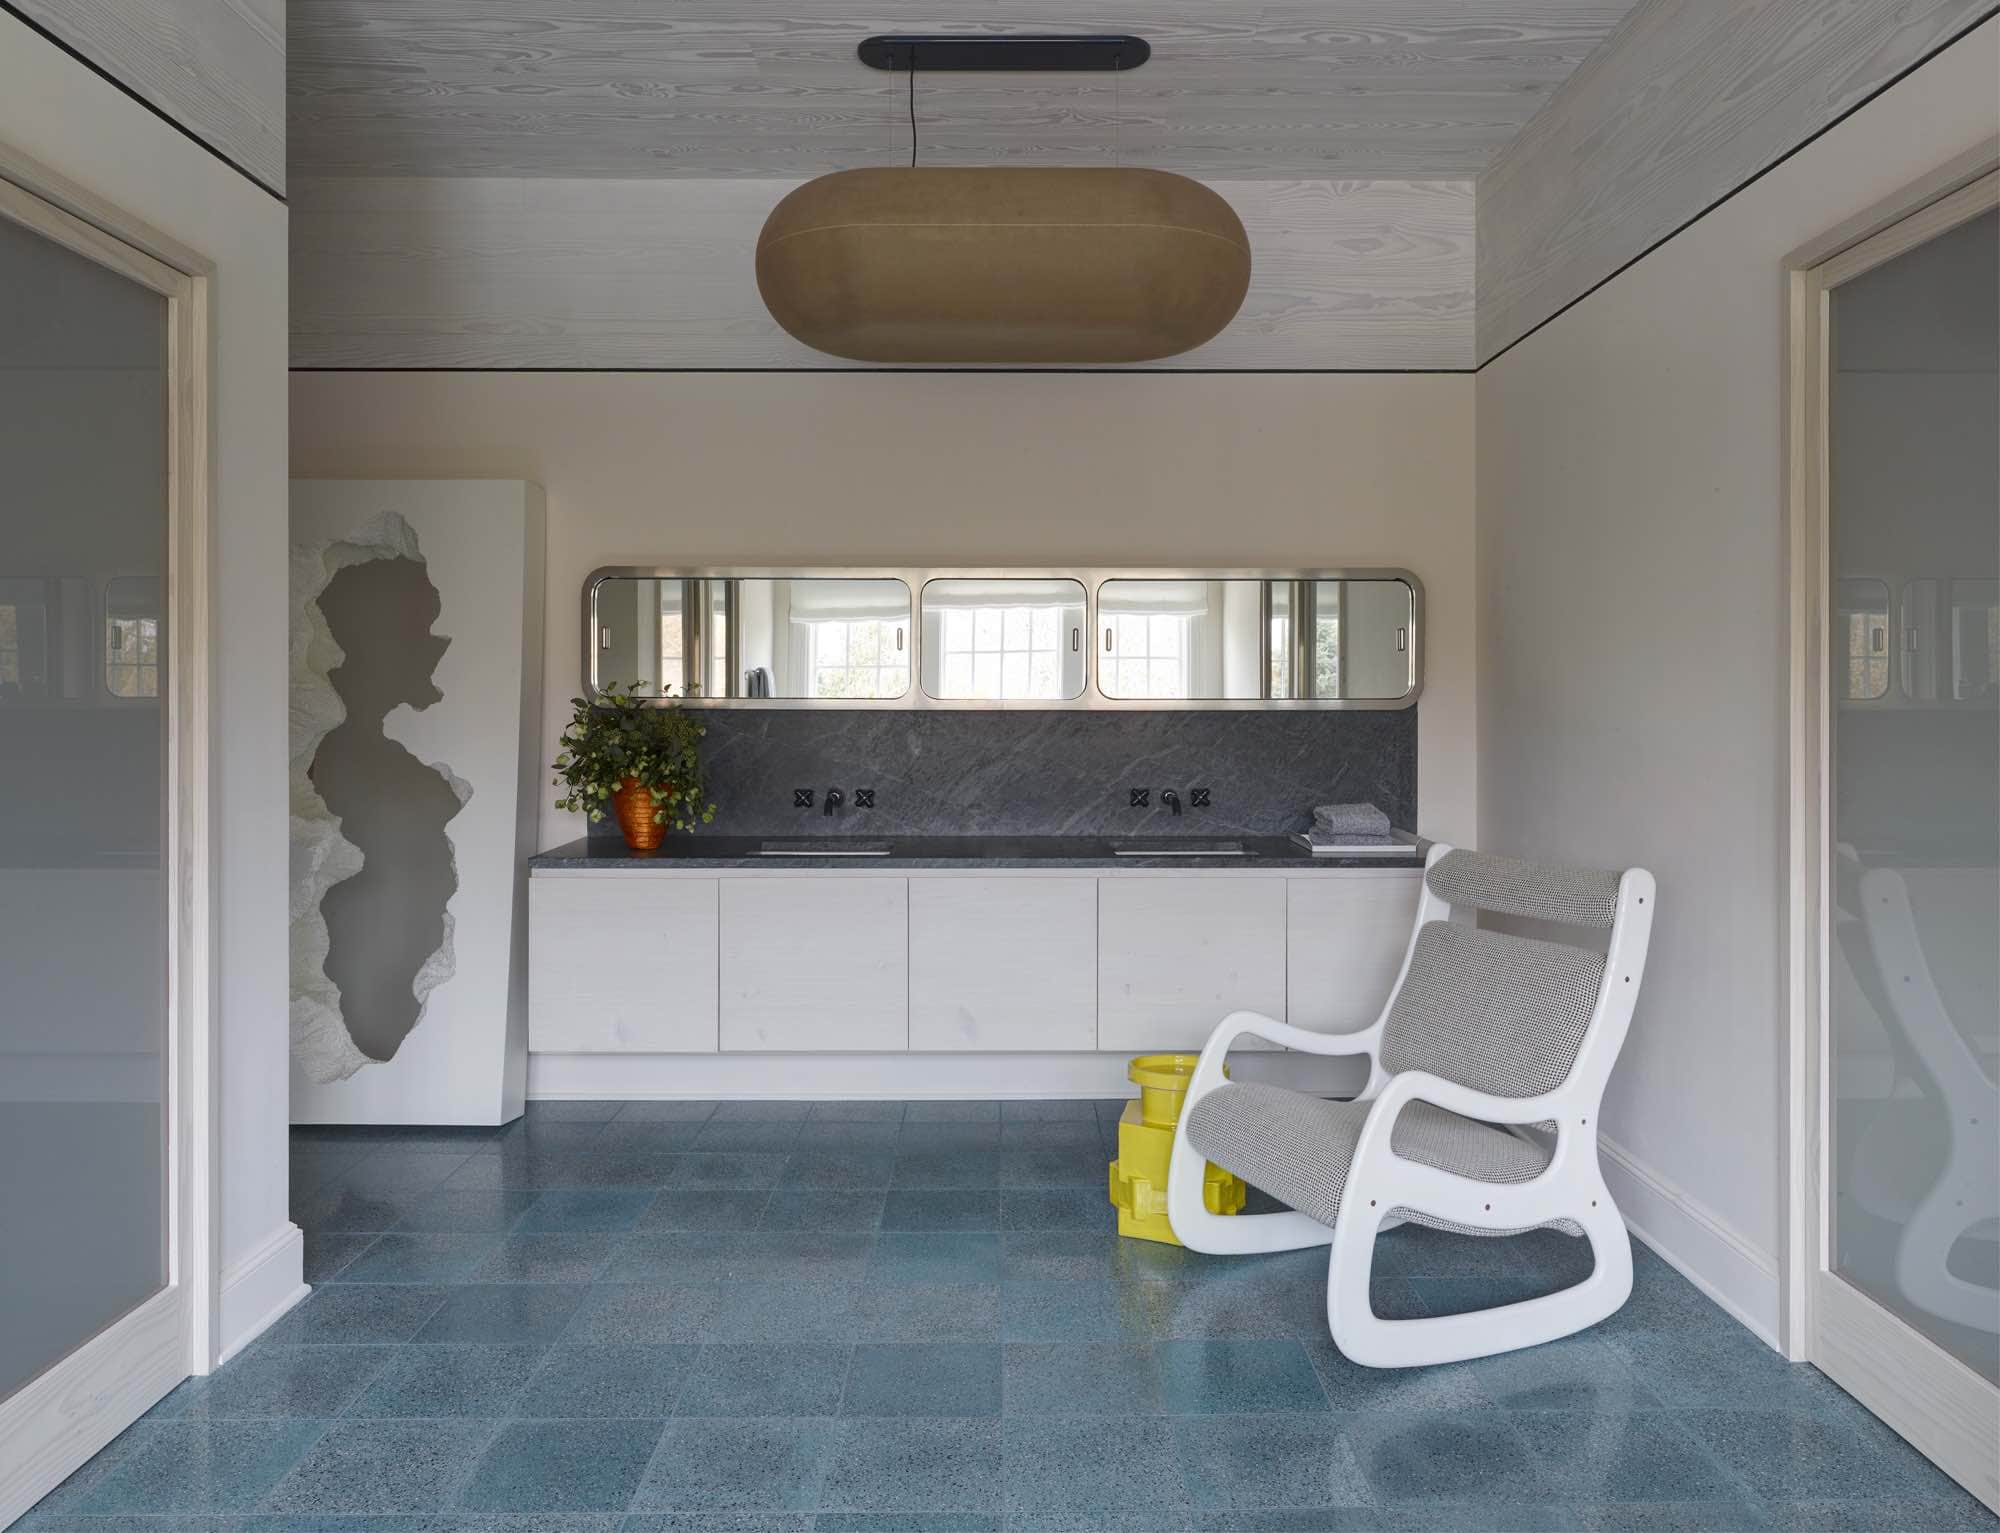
x: 1913, y: 1041
x: 83, y: 884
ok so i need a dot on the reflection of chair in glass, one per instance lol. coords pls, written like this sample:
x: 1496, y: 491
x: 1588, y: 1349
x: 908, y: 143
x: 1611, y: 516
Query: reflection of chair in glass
x: 1483, y: 1031
x: 1932, y: 1055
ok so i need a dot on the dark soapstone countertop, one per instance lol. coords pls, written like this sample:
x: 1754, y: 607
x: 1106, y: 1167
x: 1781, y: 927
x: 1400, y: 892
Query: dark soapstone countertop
x: 904, y: 852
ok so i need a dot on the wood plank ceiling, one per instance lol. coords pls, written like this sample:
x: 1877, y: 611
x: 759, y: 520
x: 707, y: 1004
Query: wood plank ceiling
x: 638, y: 89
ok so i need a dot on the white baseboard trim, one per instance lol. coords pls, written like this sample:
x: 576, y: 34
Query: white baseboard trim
x: 890, y: 1077
x: 259, y: 1287
x: 1691, y: 1239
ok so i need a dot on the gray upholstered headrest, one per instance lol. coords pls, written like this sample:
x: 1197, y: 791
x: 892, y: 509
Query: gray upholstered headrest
x: 1574, y: 896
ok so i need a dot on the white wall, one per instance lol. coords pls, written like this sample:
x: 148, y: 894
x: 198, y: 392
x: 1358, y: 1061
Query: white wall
x: 989, y: 468
x: 1633, y: 675
x: 73, y: 122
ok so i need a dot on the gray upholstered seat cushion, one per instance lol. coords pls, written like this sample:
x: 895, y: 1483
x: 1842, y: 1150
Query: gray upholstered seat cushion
x: 1298, y: 1148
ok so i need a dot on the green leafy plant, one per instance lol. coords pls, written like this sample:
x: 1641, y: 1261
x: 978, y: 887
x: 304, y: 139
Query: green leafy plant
x: 621, y: 738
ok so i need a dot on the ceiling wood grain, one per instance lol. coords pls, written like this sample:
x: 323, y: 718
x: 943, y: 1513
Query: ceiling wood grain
x: 546, y: 273
x: 1290, y: 89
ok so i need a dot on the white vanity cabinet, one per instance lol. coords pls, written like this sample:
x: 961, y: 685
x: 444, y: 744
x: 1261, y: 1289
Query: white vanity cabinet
x: 621, y: 963
x: 815, y: 964
x: 1344, y: 944
x: 1178, y: 953
x: 981, y: 968
x: 1003, y: 963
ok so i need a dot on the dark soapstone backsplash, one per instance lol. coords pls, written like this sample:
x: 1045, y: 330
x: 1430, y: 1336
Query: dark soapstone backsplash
x: 998, y: 772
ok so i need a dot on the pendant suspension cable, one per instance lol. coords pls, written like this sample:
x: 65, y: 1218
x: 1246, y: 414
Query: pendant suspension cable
x: 913, y: 107
x: 1117, y: 111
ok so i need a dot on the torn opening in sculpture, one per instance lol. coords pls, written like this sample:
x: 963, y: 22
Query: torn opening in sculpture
x: 373, y: 867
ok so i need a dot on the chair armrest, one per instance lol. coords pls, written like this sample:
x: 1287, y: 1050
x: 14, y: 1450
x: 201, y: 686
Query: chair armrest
x: 1271, y: 1030
x: 1384, y: 1178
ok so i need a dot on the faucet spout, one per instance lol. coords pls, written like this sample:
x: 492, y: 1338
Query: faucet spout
x: 1172, y: 800
x: 834, y: 799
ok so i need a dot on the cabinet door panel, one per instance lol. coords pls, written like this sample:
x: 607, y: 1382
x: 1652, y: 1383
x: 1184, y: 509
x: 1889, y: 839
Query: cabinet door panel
x: 1344, y: 943
x: 1177, y: 954
x: 815, y: 965
x: 1003, y: 964
x: 622, y: 965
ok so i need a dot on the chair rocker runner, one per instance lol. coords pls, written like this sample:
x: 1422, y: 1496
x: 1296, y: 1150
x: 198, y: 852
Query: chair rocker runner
x: 1484, y: 1033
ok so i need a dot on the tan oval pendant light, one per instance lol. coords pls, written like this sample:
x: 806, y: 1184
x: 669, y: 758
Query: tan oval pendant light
x: 1003, y: 265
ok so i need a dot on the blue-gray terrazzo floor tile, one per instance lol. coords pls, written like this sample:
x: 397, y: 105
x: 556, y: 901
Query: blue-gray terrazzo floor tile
x: 516, y: 1313
x: 1226, y: 1378
x: 419, y: 1259
x: 799, y: 1312
x: 845, y: 1212
x: 946, y: 1169
x: 479, y: 1383
x: 642, y: 1314
x: 359, y: 1314
x: 1463, y: 1455
x: 610, y: 1379
x: 1077, y: 1310
x: 198, y: 1466
x: 913, y: 1464
x: 563, y: 1466
x: 466, y: 1211
x: 711, y: 1210
x: 792, y: 1379
x: 962, y: 1209
x: 1269, y: 1460
x: 928, y: 1312
x: 735, y: 1465
x: 837, y: 1170
x: 1081, y: 1379
x: 1056, y: 1208
x: 665, y: 1112
x: 1091, y: 1464
x: 1621, y: 1456
x: 923, y: 1379
x: 270, y: 1380
x: 546, y: 1256
x: 383, y: 1466
x: 930, y: 1257
x: 607, y: 1210
x: 327, y: 1252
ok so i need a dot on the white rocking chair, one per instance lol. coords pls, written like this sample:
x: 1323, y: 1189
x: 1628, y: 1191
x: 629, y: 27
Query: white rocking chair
x: 1482, y: 1029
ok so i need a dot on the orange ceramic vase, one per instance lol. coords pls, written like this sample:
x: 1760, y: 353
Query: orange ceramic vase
x: 635, y: 808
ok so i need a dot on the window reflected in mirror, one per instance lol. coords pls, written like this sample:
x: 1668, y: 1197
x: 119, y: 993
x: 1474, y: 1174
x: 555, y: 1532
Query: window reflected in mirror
x: 1207, y: 640
x: 1003, y: 640
x: 811, y: 638
x: 132, y: 636
x: 1861, y: 638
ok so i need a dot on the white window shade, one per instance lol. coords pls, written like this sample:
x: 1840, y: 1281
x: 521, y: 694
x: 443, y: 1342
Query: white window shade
x: 821, y: 601
x: 1153, y: 598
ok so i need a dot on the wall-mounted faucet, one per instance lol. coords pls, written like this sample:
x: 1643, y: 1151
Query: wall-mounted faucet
x: 1172, y: 800
x: 834, y: 799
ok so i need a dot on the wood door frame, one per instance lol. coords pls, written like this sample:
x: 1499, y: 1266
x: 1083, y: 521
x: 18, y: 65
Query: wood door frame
x: 1926, y: 1394
x: 57, y: 1420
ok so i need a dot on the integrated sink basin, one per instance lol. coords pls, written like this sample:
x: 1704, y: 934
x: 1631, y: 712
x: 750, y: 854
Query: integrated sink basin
x: 829, y: 847
x: 1177, y: 846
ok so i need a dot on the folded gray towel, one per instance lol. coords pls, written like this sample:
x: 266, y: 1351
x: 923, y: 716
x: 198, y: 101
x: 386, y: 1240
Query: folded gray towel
x: 1355, y: 819
x: 1319, y: 837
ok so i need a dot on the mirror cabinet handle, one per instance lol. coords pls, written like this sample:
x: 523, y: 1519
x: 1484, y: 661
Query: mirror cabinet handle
x: 1075, y: 640
x: 1107, y: 641
x: 899, y: 640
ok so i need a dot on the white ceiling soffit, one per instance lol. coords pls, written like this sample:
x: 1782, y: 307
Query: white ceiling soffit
x: 643, y: 89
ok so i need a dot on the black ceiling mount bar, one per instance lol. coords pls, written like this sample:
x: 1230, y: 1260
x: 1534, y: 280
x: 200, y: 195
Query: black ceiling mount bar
x: 957, y: 51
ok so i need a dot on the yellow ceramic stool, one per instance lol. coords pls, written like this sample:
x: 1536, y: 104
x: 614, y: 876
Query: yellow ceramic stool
x: 1146, y: 1145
